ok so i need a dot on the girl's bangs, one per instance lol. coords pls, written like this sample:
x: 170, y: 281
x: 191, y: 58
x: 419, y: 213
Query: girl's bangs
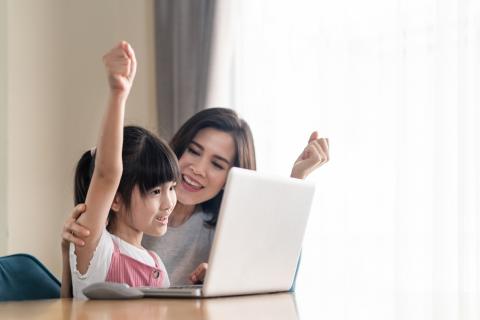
x: 156, y: 165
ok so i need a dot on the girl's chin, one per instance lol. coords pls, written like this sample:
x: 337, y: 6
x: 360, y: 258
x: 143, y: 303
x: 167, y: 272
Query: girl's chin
x: 162, y: 233
x: 158, y: 232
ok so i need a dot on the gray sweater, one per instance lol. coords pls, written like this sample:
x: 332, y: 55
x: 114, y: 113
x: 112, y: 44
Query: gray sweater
x: 183, y: 248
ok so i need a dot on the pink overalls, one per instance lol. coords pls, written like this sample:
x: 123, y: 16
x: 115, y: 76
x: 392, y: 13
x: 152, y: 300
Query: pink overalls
x: 125, y: 269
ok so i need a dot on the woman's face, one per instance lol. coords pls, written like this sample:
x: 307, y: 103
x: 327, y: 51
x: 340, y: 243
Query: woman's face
x: 204, y: 166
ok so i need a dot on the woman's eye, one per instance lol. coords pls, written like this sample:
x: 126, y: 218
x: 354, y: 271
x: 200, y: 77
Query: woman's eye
x: 193, y: 151
x: 216, y: 165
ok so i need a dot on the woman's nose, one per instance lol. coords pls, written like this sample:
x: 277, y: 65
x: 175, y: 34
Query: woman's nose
x: 199, y: 168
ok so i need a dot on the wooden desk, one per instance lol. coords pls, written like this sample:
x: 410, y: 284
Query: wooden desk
x: 280, y: 306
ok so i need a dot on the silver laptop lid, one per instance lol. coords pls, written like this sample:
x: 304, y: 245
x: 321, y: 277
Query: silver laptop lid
x: 259, y: 234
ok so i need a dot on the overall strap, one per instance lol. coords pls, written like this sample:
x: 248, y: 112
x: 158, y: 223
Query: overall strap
x: 116, y: 249
x: 155, y: 258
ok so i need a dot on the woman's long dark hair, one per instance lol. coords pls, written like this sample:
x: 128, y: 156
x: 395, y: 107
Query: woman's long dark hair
x: 147, y: 160
x: 225, y: 120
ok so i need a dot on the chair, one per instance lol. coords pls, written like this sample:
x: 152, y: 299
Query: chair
x: 23, y: 277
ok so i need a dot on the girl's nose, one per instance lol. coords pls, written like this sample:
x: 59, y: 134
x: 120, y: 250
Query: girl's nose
x: 169, y: 201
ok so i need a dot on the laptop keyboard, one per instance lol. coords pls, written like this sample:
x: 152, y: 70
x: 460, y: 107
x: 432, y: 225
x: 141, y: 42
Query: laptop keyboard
x: 187, y: 286
x: 152, y: 289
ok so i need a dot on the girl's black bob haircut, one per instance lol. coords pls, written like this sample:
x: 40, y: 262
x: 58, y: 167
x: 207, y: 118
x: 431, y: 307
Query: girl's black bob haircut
x: 147, y: 160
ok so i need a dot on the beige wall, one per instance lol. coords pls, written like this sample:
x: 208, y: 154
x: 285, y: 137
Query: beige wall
x: 3, y: 127
x: 55, y: 99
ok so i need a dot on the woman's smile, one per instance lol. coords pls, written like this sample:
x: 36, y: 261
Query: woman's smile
x: 191, y: 184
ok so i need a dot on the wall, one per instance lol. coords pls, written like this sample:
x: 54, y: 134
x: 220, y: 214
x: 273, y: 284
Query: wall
x: 57, y: 91
x: 3, y: 127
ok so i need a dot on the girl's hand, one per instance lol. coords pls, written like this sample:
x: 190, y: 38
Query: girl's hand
x: 72, y: 231
x: 198, y: 275
x: 313, y: 156
x: 121, y: 66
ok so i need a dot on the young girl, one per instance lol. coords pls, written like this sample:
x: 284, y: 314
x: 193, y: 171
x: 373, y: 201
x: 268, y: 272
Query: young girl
x: 127, y: 193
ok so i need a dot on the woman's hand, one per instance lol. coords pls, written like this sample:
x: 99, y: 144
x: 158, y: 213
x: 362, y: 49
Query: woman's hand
x: 313, y: 156
x: 121, y: 66
x: 198, y: 275
x: 72, y: 231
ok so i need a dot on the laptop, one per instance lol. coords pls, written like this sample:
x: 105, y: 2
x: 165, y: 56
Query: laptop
x: 257, y: 242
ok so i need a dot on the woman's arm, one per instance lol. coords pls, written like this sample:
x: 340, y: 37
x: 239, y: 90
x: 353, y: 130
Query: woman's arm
x: 120, y: 64
x: 66, y: 285
x: 70, y: 233
x: 312, y: 157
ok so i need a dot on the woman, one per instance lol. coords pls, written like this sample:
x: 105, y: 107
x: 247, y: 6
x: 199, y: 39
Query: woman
x: 207, y: 146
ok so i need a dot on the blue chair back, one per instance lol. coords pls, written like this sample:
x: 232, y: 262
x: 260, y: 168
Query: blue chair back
x: 23, y: 277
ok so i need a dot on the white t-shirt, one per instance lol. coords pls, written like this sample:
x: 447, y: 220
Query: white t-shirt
x: 100, y: 263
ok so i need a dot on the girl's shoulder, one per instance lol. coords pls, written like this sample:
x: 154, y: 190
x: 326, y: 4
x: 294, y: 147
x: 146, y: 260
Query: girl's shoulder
x: 104, y: 246
x: 98, y: 267
x: 155, y: 256
x: 126, y: 248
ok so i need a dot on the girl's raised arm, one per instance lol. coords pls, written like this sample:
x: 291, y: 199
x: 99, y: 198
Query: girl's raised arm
x: 120, y: 64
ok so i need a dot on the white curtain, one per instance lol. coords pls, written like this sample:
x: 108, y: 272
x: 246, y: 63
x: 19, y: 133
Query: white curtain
x: 395, y: 85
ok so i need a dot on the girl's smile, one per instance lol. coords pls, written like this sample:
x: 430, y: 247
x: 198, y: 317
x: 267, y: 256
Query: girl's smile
x: 163, y: 220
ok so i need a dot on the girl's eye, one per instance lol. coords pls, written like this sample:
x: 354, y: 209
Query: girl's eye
x: 173, y: 187
x: 156, y: 191
x: 193, y: 151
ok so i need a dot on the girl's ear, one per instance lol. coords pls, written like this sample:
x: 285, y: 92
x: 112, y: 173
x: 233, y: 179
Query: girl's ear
x: 117, y: 203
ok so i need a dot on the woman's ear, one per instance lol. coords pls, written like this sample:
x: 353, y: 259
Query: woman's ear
x: 117, y: 203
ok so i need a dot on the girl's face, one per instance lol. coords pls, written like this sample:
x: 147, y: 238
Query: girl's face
x: 204, y: 166
x: 149, y: 213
